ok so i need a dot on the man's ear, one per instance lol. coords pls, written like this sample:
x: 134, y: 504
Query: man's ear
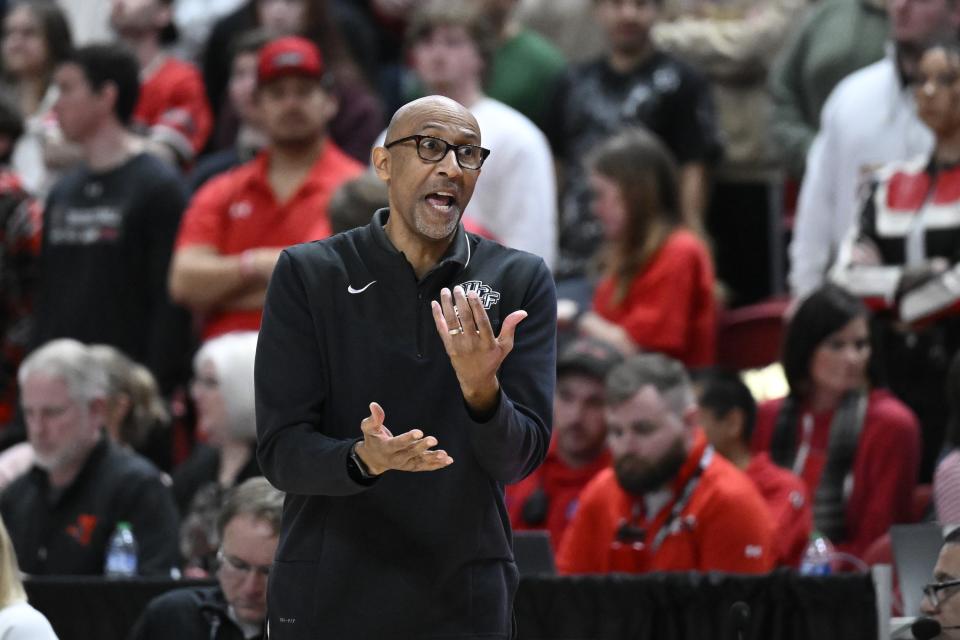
x: 108, y: 94
x: 380, y: 159
x: 98, y: 411
x: 691, y: 416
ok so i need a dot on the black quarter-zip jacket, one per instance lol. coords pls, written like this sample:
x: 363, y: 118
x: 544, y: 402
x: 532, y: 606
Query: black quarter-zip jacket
x: 412, y: 555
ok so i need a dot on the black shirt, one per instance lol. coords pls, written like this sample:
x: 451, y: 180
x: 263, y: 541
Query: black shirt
x: 66, y: 532
x: 412, y: 555
x: 107, y: 240
x: 198, y: 613
x: 594, y: 102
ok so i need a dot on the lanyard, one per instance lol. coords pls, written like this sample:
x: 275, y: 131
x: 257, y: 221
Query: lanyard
x: 629, y: 532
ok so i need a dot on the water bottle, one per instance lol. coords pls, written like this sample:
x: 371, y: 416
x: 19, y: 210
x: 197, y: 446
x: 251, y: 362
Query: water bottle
x: 121, y: 553
x: 817, y: 556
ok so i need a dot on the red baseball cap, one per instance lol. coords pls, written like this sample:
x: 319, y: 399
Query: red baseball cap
x: 289, y: 56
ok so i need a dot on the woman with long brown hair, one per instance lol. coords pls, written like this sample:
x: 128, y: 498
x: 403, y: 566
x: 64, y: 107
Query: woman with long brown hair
x: 656, y: 291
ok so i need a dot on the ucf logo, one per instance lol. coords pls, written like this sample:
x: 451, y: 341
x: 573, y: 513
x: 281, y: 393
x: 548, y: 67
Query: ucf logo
x: 488, y: 296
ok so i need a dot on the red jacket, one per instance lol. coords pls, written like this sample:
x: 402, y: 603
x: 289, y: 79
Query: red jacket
x: 670, y: 305
x: 562, y: 484
x: 884, y: 470
x: 173, y: 107
x: 724, y: 526
x: 789, y: 504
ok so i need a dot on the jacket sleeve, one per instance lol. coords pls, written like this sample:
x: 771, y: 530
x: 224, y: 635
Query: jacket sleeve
x: 168, y: 335
x: 737, y: 535
x: 290, y: 386
x: 737, y: 48
x: 810, y: 251
x: 511, y: 444
x: 888, y: 464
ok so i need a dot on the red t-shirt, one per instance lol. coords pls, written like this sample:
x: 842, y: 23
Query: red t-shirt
x: 562, y: 484
x: 670, y: 305
x: 173, y: 107
x: 885, y: 465
x: 237, y: 210
x: 725, y: 525
x: 789, y: 505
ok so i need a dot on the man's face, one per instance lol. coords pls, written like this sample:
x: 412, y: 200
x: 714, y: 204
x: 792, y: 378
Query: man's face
x: 79, y: 109
x: 295, y: 110
x: 429, y: 198
x: 446, y: 57
x: 917, y: 21
x: 136, y: 17
x: 243, y: 85
x: 948, y: 611
x: 723, y: 433
x: 282, y: 17
x: 61, y: 429
x: 647, y: 440
x: 248, y: 546
x: 578, y: 424
x: 627, y: 23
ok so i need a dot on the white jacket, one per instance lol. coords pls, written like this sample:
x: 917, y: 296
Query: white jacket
x: 869, y: 119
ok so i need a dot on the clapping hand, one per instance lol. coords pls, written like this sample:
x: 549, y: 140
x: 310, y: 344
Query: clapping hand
x: 381, y: 451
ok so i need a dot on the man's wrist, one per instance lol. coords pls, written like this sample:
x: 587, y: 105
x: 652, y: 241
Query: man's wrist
x: 483, y: 402
x: 365, y: 468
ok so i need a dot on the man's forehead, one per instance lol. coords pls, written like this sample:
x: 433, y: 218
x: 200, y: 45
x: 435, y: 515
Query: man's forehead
x: 948, y: 562
x: 434, y: 115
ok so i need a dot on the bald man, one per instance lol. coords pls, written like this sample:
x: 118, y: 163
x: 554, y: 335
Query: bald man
x: 405, y: 373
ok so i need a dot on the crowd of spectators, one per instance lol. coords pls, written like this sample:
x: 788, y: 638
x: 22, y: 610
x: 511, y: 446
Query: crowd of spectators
x: 157, y: 156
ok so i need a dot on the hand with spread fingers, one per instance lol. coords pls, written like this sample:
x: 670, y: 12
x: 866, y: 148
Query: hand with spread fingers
x: 476, y: 354
x: 382, y: 451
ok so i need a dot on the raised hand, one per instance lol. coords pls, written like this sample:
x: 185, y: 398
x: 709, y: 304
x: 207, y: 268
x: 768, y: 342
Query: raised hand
x: 381, y: 451
x: 476, y: 354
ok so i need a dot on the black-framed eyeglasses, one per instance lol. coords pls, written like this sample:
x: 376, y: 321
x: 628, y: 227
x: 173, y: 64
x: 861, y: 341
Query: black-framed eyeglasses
x: 430, y: 149
x: 932, y: 591
x: 239, y: 566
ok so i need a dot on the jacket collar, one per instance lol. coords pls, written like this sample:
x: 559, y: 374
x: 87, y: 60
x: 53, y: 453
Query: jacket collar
x: 386, y: 256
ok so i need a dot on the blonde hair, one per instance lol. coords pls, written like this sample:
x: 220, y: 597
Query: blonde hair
x: 11, y: 585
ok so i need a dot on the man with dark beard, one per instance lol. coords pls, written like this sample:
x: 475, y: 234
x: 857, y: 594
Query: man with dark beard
x: 669, y: 503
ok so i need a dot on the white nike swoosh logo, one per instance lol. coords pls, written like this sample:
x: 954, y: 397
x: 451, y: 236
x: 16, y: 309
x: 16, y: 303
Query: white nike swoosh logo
x: 350, y: 289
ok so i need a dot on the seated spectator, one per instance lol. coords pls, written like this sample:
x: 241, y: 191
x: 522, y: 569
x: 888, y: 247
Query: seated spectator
x: 939, y: 597
x: 238, y: 223
x: 548, y: 497
x: 18, y: 620
x: 668, y: 503
x: 136, y: 414
x: 946, y: 479
x: 172, y: 110
x: 109, y: 225
x: 248, y: 527
x: 36, y: 38
x: 451, y: 46
x: 909, y: 228
x: 351, y: 205
x: 728, y: 415
x: 656, y: 291
x: 633, y: 85
x: 856, y: 447
x: 62, y: 513
x: 222, y: 390
x: 19, y: 250
x: 325, y: 23
x: 250, y: 137
x: 869, y: 119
